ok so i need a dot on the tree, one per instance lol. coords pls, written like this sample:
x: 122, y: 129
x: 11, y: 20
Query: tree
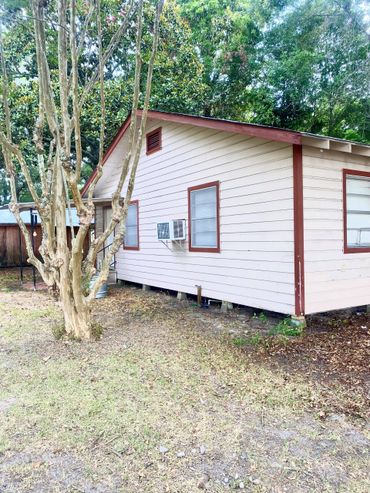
x: 57, y: 144
x: 226, y: 34
x: 314, y: 70
x: 177, y: 78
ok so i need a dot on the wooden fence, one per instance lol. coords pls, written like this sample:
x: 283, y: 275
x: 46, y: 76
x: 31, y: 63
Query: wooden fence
x: 10, y: 244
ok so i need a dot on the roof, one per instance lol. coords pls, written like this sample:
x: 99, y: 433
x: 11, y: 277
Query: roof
x: 7, y: 217
x: 251, y: 129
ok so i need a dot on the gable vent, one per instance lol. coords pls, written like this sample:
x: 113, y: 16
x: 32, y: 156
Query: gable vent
x: 154, y: 141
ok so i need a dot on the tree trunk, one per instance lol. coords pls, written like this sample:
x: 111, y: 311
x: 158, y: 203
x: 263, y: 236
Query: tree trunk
x: 77, y: 320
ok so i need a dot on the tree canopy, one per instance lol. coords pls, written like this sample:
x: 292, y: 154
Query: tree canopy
x: 299, y: 64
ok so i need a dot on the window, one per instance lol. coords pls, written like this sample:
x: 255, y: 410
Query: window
x: 154, y: 141
x: 356, y: 210
x: 204, y: 222
x: 132, y: 227
x: 107, y: 216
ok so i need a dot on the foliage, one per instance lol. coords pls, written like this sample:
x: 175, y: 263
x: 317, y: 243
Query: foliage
x: 177, y: 84
x: 286, y: 328
x: 226, y: 34
x: 314, y: 70
x: 262, y: 317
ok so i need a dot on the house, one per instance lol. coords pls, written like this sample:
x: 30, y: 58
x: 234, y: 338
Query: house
x: 275, y: 219
x: 12, y: 246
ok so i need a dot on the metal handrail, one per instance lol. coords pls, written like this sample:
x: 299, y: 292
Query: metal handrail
x: 114, y: 257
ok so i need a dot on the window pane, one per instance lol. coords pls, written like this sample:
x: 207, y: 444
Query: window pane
x: 131, y: 234
x: 358, y: 221
x: 203, y: 208
x: 132, y: 215
x: 358, y: 211
x: 107, y: 216
x: 204, y: 240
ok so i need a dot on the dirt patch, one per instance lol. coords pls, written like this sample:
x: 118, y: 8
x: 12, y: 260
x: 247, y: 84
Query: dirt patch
x: 50, y: 471
x: 6, y: 404
x: 333, y: 351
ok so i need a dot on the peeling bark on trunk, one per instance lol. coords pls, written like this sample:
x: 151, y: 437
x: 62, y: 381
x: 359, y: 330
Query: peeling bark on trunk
x: 77, y: 319
x: 63, y: 268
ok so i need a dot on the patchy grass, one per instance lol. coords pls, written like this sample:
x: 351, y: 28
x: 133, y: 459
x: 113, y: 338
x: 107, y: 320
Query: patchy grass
x: 162, y: 403
x: 10, y: 279
x: 253, y: 340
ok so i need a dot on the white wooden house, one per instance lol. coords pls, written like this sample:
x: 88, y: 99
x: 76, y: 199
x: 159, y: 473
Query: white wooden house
x: 275, y: 219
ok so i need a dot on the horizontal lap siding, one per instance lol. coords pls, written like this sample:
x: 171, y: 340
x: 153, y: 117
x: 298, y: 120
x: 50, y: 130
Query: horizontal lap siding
x: 333, y: 280
x: 255, y: 266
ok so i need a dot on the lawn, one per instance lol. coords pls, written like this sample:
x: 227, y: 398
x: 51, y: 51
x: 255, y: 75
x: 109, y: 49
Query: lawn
x: 178, y: 399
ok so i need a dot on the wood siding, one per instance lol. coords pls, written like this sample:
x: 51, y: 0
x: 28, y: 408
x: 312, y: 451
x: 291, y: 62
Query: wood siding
x: 255, y: 266
x: 9, y: 244
x: 333, y: 279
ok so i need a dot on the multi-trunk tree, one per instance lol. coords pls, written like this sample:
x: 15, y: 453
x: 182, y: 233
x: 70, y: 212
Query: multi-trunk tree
x: 57, y: 143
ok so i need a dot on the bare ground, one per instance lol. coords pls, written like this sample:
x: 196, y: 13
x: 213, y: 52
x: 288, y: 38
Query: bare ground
x: 178, y: 399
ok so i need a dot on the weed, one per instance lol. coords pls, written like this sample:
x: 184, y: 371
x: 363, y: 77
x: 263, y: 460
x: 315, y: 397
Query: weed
x: 58, y: 330
x: 96, y: 330
x: 262, y: 317
x: 285, y: 328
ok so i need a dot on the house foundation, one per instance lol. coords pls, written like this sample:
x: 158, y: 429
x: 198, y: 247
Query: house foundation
x: 299, y: 321
x: 226, y: 306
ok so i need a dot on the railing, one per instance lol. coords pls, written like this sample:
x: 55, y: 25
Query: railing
x: 113, y: 263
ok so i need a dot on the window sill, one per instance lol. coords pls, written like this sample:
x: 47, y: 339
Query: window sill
x: 356, y: 250
x: 206, y: 250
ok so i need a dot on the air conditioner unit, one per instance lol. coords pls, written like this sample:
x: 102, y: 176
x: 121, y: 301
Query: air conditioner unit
x: 163, y: 231
x: 178, y: 229
x: 174, y: 230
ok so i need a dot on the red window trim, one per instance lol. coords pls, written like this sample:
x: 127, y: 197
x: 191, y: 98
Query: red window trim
x: 200, y: 187
x: 346, y: 248
x: 151, y: 151
x: 132, y: 202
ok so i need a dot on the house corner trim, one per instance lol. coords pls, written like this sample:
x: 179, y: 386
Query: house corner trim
x: 299, y: 286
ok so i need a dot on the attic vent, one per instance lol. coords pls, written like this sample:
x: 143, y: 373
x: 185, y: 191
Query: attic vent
x: 154, y: 141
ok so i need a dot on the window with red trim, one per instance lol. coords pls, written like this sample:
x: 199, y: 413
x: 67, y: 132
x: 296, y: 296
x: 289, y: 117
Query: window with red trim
x: 204, y: 217
x: 131, y: 241
x: 356, y: 209
x: 154, y: 141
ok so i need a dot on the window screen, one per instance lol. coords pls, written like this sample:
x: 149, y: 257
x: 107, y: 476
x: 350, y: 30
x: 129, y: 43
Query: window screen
x: 358, y: 210
x: 132, y: 227
x: 203, y: 217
